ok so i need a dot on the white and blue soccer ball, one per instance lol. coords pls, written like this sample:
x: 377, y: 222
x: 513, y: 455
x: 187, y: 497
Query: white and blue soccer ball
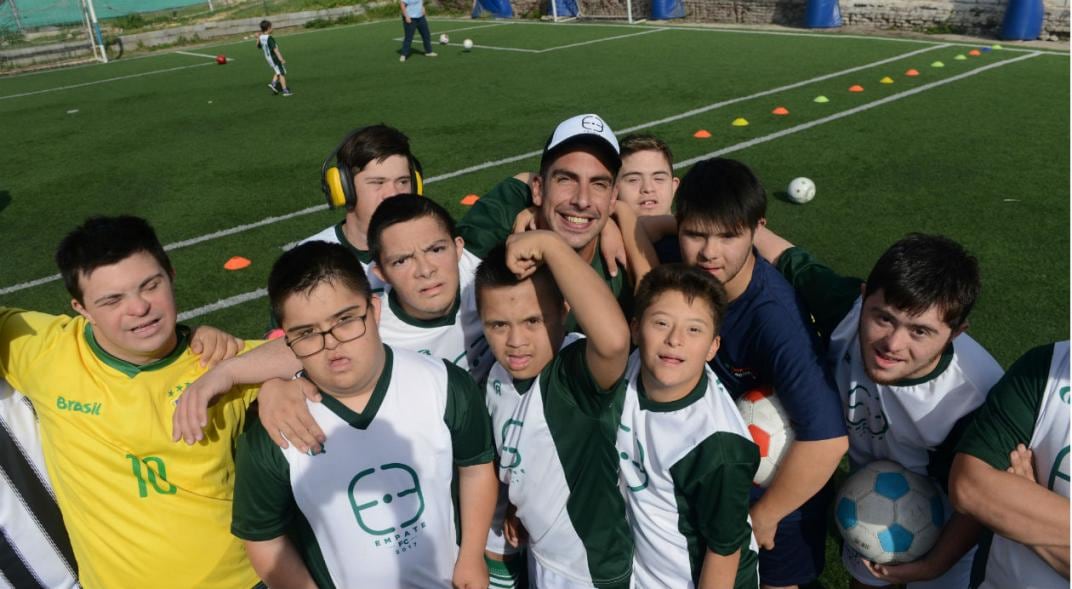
x: 801, y: 190
x: 889, y: 514
x: 444, y: 39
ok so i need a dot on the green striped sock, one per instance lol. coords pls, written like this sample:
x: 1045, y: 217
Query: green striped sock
x: 509, y: 574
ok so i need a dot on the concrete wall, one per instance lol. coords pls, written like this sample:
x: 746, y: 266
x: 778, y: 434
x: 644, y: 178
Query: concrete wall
x: 970, y: 17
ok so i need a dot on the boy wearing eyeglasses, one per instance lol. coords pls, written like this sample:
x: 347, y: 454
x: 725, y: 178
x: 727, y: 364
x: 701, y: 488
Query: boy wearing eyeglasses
x: 373, y: 508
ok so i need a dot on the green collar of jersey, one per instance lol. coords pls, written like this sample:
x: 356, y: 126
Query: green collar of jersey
x: 448, y: 319
x: 361, y: 255
x: 129, y: 368
x: 694, y: 395
x: 943, y: 363
x: 364, y: 419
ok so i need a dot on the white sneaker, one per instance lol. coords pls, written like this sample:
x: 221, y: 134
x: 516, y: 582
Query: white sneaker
x: 432, y: 54
x: 402, y: 58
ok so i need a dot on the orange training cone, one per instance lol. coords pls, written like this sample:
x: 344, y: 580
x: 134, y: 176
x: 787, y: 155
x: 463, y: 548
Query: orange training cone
x: 780, y: 111
x: 702, y: 134
x: 236, y: 263
x: 975, y: 53
x: 912, y: 73
x: 470, y: 200
x: 856, y: 88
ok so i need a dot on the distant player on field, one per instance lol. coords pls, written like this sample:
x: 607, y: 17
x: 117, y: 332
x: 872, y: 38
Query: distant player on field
x: 266, y: 43
x: 1011, y: 473
x: 906, y: 372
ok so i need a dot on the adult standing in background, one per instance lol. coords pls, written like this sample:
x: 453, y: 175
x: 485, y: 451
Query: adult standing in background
x: 413, y: 19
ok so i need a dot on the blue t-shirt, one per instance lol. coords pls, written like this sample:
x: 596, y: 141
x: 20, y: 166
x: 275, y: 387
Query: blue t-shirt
x: 768, y: 341
x: 414, y: 8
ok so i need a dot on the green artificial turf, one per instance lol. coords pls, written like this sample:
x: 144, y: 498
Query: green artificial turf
x: 199, y: 148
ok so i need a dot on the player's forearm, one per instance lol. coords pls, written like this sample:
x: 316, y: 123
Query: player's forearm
x: 271, y: 360
x: 478, y: 491
x: 1021, y: 510
x: 802, y: 474
x: 589, y: 298
x: 657, y: 227
x: 278, y: 564
x: 719, y: 572
x: 638, y: 248
x: 958, y: 536
x: 769, y: 244
x: 1056, y: 557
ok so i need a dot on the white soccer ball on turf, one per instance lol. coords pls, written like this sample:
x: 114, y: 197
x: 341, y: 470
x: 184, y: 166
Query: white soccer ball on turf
x: 467, y: 44
x: 801, y: 190
x: 769, y: 425
x: 444, y: 39
x: 888, y: 513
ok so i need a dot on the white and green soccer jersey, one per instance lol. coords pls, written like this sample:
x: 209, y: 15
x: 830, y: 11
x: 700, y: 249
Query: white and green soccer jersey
x: 555, y: 438
x: 374, y: 508
x: 687, y: 470
x: 1029, y: 406
x: 457, y: 336
x: 907, y: 421
x: 334, y: 234
x: 267, y: 44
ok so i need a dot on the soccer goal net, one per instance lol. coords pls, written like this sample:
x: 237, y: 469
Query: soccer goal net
x: 40, y: 33
x: 625, y: 10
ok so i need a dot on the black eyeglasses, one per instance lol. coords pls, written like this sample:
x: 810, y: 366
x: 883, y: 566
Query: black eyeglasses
x: 346, y: 330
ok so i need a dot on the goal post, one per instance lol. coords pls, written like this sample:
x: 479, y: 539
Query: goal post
x: 631, y: 11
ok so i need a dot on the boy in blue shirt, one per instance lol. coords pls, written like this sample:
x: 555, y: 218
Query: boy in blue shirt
x: 767, y: 343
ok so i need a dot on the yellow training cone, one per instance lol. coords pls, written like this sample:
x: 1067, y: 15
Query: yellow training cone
x: 740, y: 122
x: 886, y: 80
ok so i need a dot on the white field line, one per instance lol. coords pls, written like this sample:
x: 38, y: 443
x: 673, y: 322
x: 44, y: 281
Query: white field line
x: 473, y: 28
x: 202, y: 55
x: 256, y: 294
x: 852, y: 111
x: 689, y: 113
x: 224, y: 304
x: 594, y: 41
x: 187, y: 242
x: 489, y: 164
x: 95, y: 82
x: 557, y: 47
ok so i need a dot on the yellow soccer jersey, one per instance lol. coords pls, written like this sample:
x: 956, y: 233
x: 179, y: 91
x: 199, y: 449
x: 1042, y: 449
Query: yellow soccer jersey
x: 141, y: 510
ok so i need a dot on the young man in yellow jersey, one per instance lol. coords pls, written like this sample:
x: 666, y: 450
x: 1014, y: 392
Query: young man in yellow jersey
x: 141, y: 511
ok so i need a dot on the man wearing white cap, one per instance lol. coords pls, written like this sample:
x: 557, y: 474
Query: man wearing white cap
x: 573, y: 194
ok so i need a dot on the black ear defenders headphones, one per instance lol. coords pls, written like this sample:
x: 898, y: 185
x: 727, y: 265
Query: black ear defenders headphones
x: 337, y: 179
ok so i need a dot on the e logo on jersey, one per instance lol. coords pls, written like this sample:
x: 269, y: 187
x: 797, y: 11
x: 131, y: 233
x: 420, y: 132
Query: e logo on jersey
x: 863, y: 413
x: 1063, y: 393
x: 510, y: 456
x: 389, y: 504
x: 1059, y: 471
x: 634, y: 474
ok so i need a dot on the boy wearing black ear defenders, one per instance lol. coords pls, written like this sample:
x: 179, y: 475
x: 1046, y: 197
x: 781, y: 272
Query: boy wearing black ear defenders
x: 371, y: 164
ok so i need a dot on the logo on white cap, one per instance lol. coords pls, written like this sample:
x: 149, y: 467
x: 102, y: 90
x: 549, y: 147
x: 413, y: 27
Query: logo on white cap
x: 589, y: 124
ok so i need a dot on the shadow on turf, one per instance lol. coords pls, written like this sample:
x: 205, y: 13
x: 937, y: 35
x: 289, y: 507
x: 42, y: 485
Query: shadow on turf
x: 784, y: 197
x: 5, y: 199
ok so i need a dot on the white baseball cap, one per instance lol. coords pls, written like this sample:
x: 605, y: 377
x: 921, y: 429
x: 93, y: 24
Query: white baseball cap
x: 589, y: 130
